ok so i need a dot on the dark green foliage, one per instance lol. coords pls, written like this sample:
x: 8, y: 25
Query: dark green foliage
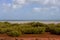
x: 55, y: 31
x: 14, y: 33
x: 28, y: 28
x: 58, y: 25
x: 33, y: 30
x: 38, y: 30
x: 50, y: 27
x: 37, y: 24
x: 2, y: 30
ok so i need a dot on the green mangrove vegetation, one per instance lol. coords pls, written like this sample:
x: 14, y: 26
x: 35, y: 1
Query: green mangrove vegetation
x: 16, y: 29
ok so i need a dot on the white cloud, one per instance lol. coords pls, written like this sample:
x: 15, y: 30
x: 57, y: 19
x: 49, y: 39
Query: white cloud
x: 5, y: 4
x: 14, y: 6
x: 48, y: 2
x: 13, y: 0
x: 6, y: 7
x: 20, y: 3
x: 52, y: 2
x: 34, y: 0
x: 36, y: 9
x: 9, y: 5
x: 46, y: 9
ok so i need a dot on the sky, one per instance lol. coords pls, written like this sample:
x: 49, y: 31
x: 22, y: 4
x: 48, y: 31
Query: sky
x: 29, y: 9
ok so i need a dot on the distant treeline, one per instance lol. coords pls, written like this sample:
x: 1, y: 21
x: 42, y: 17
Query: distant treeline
x: 16, y: 29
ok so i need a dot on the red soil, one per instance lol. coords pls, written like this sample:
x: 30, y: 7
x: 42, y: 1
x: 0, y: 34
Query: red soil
x: 45, y: 36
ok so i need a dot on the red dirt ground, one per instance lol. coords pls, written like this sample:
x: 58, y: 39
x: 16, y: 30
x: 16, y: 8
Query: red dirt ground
x: 45, y: 36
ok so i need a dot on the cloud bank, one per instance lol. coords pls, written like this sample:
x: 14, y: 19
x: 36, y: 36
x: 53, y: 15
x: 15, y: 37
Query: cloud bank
x: 50, y: 5
x: 20, y: 3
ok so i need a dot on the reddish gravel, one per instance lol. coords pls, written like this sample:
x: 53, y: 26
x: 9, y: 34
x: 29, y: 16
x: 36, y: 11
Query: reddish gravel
x: 45, y: 36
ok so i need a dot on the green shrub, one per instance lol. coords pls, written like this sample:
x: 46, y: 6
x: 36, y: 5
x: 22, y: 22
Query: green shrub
x: 58, y: 25
x: 33, y: 30
x: 38, y: 30
x: 37, y: 24
x: 9, y: 30
x: 26, y: 30
x: 2, y: 30
x: 14, y: 33
x: 55, y: 31
x: 50, y: 27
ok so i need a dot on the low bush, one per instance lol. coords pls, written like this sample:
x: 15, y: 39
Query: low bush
x: 50, y: 27
x: 14, y: 33
x: 58, y: 25
x: 2, y: 30
x: 38, y: 30
x: 33, y: 30
x: 55, y: 31
x: 26, y: 30
x: 37, y: 24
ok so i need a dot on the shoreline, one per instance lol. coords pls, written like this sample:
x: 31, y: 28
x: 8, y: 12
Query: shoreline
x: 46, y: 22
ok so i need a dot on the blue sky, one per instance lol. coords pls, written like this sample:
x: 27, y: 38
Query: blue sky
x: 29, y: 9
